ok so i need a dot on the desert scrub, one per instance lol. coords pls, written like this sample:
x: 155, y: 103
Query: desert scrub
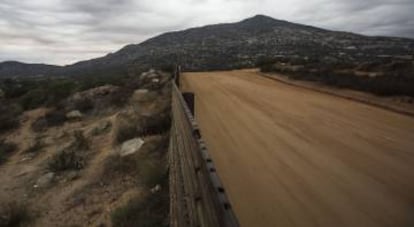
x: 50, y: 119
x: 71, y: 157
x: 14, y: 215
x: 9, y: 116
x: 152, y: 172
x: 150, y: 211
x: 132, y: 127
x: 36, y: 147
x: 67, y: 159
x: 6, y: 149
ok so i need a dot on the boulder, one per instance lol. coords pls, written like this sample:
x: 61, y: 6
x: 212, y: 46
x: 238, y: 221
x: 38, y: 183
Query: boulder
x: 131, y: 146
x: 74, y: 114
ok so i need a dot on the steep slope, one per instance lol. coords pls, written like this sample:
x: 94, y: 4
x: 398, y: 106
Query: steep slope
x: 234, y: 45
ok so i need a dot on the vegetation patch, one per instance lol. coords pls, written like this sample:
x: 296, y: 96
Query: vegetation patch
x: 37, y: 146
x: 6, y: 149
x: 71, y: 157
x: 51, y: 119
x: 150, y: 211
x: 141, y: 126
x: 14, y: 215
x: 391, y: 77
x: 9, y: 116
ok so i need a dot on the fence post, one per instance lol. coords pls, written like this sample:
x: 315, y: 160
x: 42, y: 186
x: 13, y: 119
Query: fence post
x: 189, y: 99
x: 177, y: 75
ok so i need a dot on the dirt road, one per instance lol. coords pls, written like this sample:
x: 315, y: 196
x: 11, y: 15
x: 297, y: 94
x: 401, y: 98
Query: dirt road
x: 289, y: 156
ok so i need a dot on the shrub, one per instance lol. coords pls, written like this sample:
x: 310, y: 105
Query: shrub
x: 150, y: 211
x: 14, y: 215
x: 84, y: 105
x: 36, y: 147
x: 395, y: 81
x: 81, y: 143
x: 121, y: 97
x: 59, y: 90
x: 9, y: 116
x: 144, y: 126
x: 6, y: 149
x: 152, y: 172
x: 33, y: 98
x: 125, y: 132
x: 71, y: 157
x: 51, y: 119
x: 66, y: 160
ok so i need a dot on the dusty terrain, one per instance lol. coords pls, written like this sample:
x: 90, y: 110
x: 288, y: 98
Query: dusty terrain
x: 42, y: 187
x: 289, y: 156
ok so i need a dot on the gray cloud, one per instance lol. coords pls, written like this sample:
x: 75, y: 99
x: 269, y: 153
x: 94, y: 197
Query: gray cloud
x: 62, y: 32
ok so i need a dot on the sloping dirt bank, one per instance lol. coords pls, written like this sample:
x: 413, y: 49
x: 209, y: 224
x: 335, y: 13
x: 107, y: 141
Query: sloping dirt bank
x: 290, y: 156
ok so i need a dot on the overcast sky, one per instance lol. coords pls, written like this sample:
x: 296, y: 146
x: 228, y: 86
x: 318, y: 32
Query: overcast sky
x: 66, y: 31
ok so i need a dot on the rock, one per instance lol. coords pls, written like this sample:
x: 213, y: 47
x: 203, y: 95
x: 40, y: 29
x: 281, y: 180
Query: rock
x: 45, y: 180
x: 141, y: 95
x: 1, y: 94
x: 75, y: 114
x: 131, y: 146
x: 155, y: 189
x: 141, y: 91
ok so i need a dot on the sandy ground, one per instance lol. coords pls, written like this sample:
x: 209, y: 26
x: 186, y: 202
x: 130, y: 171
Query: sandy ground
x: 289, y: 156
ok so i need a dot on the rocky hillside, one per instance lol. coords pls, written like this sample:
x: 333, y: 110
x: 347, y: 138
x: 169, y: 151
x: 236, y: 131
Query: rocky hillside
x: 235, y: 45
x: 96, y: 158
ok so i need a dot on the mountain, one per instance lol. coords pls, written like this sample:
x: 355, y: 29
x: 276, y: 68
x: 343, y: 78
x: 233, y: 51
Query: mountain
x: 235, y: 45
x: 14, y: 68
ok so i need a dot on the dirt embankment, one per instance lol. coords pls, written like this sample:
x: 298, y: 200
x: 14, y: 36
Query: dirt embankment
x: 290, y: 156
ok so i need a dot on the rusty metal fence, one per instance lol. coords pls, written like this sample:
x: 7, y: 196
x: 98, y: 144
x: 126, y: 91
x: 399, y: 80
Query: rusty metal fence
x: 197, y: 197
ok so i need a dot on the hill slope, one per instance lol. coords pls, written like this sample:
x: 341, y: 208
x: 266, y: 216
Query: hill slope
x: 234, y: 45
